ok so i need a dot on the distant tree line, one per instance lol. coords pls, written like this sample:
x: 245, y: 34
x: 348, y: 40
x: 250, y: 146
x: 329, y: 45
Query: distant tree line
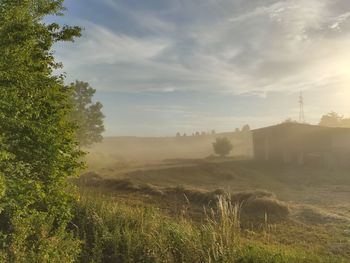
x: 244, y: 129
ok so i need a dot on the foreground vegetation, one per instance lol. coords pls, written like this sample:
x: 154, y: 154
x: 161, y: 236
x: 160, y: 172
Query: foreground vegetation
x: 113, y: 231
x: 41, y: 217
x: 38, y: 146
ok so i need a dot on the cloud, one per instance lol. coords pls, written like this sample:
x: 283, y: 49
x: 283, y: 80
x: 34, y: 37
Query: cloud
x: 203, y: 45
x: 340, y: 20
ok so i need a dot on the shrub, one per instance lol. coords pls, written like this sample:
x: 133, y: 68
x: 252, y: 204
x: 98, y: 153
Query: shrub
x: 36, y: 238
x: 38, y: 151
x: 222, y: 146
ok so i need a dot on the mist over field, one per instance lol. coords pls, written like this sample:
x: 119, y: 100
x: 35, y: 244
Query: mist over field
x: 176, y: 131
x: 161, y: 148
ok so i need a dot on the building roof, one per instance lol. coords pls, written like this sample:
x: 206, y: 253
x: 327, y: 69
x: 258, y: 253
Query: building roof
x: 302, y: 126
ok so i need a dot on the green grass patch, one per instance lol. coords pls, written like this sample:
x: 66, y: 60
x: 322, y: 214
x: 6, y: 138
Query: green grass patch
x: 117, y: 232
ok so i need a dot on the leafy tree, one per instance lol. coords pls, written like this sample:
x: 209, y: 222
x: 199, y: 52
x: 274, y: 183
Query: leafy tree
x: 37, y: 139
x: 333, y: 119
x: 289, y: 120
x: 222, y: 146
x: 87, y: 115
x: 246, y: 128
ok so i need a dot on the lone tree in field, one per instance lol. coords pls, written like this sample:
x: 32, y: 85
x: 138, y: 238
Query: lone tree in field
x: 222, y: 146
x: 86, y: 114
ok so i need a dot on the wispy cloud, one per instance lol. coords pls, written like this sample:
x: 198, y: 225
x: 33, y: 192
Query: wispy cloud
x: 231, y: 47
x: 281, y: 45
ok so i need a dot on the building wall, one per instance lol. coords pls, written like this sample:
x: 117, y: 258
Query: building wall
x: 341, y: 141
x: 341, y: 149
x: 295, y: 144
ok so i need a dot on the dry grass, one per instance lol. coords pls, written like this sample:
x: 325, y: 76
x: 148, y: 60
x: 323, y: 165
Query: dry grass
x: 254, y: 205
x: 313, y: 215
x: 117, y: 232
x: 311, y: 208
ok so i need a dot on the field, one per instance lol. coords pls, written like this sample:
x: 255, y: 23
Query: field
x: 288, y: 207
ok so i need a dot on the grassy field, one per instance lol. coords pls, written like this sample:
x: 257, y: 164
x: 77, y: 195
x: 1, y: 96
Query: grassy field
x: 285, y: 213
x: 116, y: 230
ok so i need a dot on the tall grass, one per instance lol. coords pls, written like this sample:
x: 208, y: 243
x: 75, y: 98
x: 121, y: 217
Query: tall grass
x: 116, y: 232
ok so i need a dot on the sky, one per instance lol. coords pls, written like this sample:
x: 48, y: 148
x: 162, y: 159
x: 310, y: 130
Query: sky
x: 167, y: 66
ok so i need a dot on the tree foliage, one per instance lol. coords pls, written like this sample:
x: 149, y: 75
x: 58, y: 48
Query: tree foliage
x: 333, y: 119
x: 246, y: 128
x: 86, y: 114
x: 222, y: 146
x: 289, y: 120
x: 37, y: 139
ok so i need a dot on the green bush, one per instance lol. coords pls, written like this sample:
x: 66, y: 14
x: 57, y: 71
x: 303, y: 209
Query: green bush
x: 222, y: 146
x: 38, y: 151
x: 35, y: 238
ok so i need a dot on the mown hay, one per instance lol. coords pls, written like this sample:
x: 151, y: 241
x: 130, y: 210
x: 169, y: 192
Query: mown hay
x: 265, y: 209
x: 92, y: 179
x: 312, y: 215
x: 256, y: 206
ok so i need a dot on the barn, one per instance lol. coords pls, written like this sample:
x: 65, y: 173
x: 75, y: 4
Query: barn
x: 296, y: 143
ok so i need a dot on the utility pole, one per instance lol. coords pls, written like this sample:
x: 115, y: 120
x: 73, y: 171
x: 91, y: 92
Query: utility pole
x: 301, y: 108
